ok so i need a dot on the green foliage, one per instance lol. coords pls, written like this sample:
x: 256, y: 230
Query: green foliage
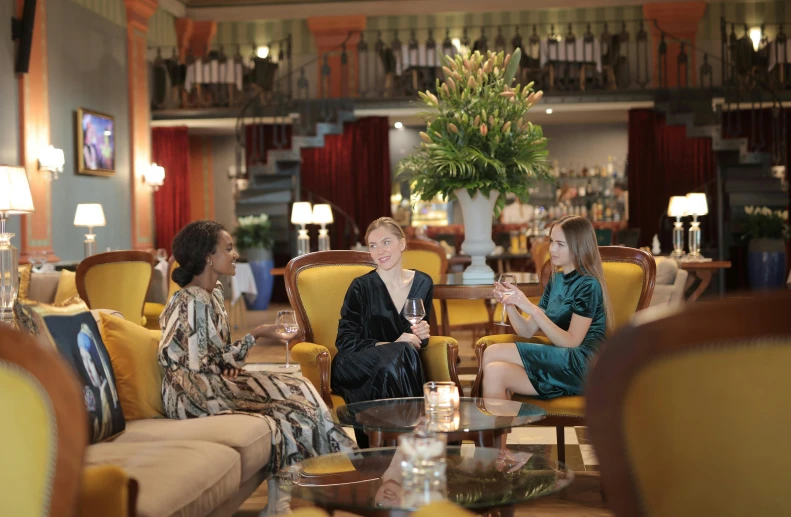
x: 477, y: 134
x: 762, y: 223
x: 254, y: 231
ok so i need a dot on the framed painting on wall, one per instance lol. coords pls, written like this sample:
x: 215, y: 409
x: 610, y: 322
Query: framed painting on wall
x: 95, y: 143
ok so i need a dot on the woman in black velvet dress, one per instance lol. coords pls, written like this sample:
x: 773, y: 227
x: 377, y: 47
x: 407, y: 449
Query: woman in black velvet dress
x: 378, y: 354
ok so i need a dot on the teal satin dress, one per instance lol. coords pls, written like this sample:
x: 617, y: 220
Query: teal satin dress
x: 556, y: 371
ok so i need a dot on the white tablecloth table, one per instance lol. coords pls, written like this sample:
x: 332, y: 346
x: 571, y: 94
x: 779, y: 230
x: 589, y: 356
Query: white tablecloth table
x: 243, y: 283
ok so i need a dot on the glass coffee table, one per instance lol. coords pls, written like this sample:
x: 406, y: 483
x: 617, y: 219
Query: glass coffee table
x: 484, y: 421
x: 369, y: 482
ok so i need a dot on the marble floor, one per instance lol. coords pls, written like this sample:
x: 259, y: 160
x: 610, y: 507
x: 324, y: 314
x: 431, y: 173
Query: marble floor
x: 582, y: 498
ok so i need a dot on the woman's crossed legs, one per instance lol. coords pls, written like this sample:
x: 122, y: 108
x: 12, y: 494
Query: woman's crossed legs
x: 504, y: 372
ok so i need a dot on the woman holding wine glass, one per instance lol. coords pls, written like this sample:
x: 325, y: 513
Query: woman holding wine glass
x: 203, y: 369
x: 574, y: 313
x: 383, y: 325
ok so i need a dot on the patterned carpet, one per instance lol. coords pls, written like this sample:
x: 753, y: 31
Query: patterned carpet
x: 581, y: 498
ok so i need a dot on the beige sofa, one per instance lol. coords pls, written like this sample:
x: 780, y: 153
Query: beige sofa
x: 670, y: 282
x: 200, y: 467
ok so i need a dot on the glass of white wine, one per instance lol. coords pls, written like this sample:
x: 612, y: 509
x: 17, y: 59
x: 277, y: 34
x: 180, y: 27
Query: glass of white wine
x: 505, y: 291
x: 287, y: 328
x: 414, y: 311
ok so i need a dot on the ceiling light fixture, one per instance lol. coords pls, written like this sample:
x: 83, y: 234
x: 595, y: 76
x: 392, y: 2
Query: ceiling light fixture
x: 262, y: 52
x: 398, y: 125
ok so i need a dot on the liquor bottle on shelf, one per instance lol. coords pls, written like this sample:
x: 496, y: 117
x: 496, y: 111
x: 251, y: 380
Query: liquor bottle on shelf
x: 610, y: 167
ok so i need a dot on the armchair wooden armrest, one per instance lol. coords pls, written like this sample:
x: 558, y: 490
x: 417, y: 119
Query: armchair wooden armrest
x: 480, y: 348
x: 315, y: 362
x: 107, y: 490
x: 439, y: 359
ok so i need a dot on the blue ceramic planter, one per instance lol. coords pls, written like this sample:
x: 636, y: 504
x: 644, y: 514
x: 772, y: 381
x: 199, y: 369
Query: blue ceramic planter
x: 766, y: 262
x: 264, y: 281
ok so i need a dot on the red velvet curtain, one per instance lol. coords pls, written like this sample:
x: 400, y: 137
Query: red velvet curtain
x: 170, y: 149
x: 663, y: 162
x: 353, y: 171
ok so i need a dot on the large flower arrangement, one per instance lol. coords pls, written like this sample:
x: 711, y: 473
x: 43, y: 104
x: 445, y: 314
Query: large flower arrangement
x: 763, y: 223
x: 477, y: 133
x: 254, y: 231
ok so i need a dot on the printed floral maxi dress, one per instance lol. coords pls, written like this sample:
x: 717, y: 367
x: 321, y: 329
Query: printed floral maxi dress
x: 196, y: 347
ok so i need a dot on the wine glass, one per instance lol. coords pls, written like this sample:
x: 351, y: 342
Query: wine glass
x: 287, y: 328
x: 414, y: 311
x: 505, y: 291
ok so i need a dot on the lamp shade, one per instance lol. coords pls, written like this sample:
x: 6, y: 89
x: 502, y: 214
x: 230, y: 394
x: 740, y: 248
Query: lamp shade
x: 15, y: 197
x: 677, y: 206
x: 89, y: 214
x: 322, y: 214
x: 301, y: 213
x: 696, y: 204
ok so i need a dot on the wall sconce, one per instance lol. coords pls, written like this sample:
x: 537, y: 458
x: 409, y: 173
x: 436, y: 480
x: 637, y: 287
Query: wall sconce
x: 50, y: 162
x: 154, y: 176
x: 90, y: 215
x: 322, y: 214
x: 302, y: 214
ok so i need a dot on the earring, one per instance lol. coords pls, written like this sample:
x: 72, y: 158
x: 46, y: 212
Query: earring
x: 210, y: 263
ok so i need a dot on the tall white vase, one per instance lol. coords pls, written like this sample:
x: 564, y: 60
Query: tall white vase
x: 478, y: 212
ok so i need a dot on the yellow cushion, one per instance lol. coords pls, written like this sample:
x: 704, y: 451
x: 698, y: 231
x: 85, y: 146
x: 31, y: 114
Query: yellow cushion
x: 682, y: 413
x: 121, y: 286
x: 328, y: 464
x: 27, y: 441
x: 337, y: 401
x: 469, y: 312
x: 24, y: 281
x: 435, y: 358
x: 568, y: 406
x: 322, y: 290
x: 624, y: 282
x: 67, y: 287
x: 444, y: 508
x: 138, y: 376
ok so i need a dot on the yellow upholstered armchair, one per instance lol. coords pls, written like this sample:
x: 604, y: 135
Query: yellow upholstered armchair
x: 693, y: 421
x: 316, y: 285
x: 152, y: 311
x: 44, y: 429
x: 629, y: 276
x: 116, y: 280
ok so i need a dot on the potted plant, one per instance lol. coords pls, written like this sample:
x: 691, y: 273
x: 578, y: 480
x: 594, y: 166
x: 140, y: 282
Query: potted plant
x: 478, y: 146
x: 254, y: 238
x: 766, y: 231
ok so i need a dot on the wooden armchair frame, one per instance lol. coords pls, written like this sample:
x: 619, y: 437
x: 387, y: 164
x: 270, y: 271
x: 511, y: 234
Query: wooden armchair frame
x: 745, y: 321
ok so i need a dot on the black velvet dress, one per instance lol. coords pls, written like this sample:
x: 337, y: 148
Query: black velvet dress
x: 363, y: 371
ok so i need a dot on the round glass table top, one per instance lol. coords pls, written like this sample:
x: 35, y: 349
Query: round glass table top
x: 407, y: 414
x: 475, y: 477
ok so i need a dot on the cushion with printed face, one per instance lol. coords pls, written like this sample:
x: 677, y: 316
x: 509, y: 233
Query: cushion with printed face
x: 78, y: 340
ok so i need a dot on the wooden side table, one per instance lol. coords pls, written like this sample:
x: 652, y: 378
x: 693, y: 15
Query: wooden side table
x: 702, y: 271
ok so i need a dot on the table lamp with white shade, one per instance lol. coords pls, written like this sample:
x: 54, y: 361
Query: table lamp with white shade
x: 15, y: 198
x: 677, y: 208
x: 90, y: 215
x: 322, y: 214
x: 696, y: 205
x: 302, y: 214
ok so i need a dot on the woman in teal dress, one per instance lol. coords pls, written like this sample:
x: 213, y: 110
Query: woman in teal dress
x: 574, y: 313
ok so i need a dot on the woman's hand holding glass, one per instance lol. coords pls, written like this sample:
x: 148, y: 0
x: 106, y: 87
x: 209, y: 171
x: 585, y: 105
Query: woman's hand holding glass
x: 422, y: 330
x: 509, y: 294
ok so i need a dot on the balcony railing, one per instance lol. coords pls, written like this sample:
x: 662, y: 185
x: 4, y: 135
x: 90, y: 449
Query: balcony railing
x: 380, y: 65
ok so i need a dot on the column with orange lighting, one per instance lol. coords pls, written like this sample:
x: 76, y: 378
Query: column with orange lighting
x: 201, y: 178
x: 679, y: 19
x: 138, y: 12
x: 36, y: 228
x: 329, y: 32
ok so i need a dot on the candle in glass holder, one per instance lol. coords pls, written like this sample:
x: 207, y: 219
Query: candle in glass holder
x: 455, y: 397
x: 439, y: 396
